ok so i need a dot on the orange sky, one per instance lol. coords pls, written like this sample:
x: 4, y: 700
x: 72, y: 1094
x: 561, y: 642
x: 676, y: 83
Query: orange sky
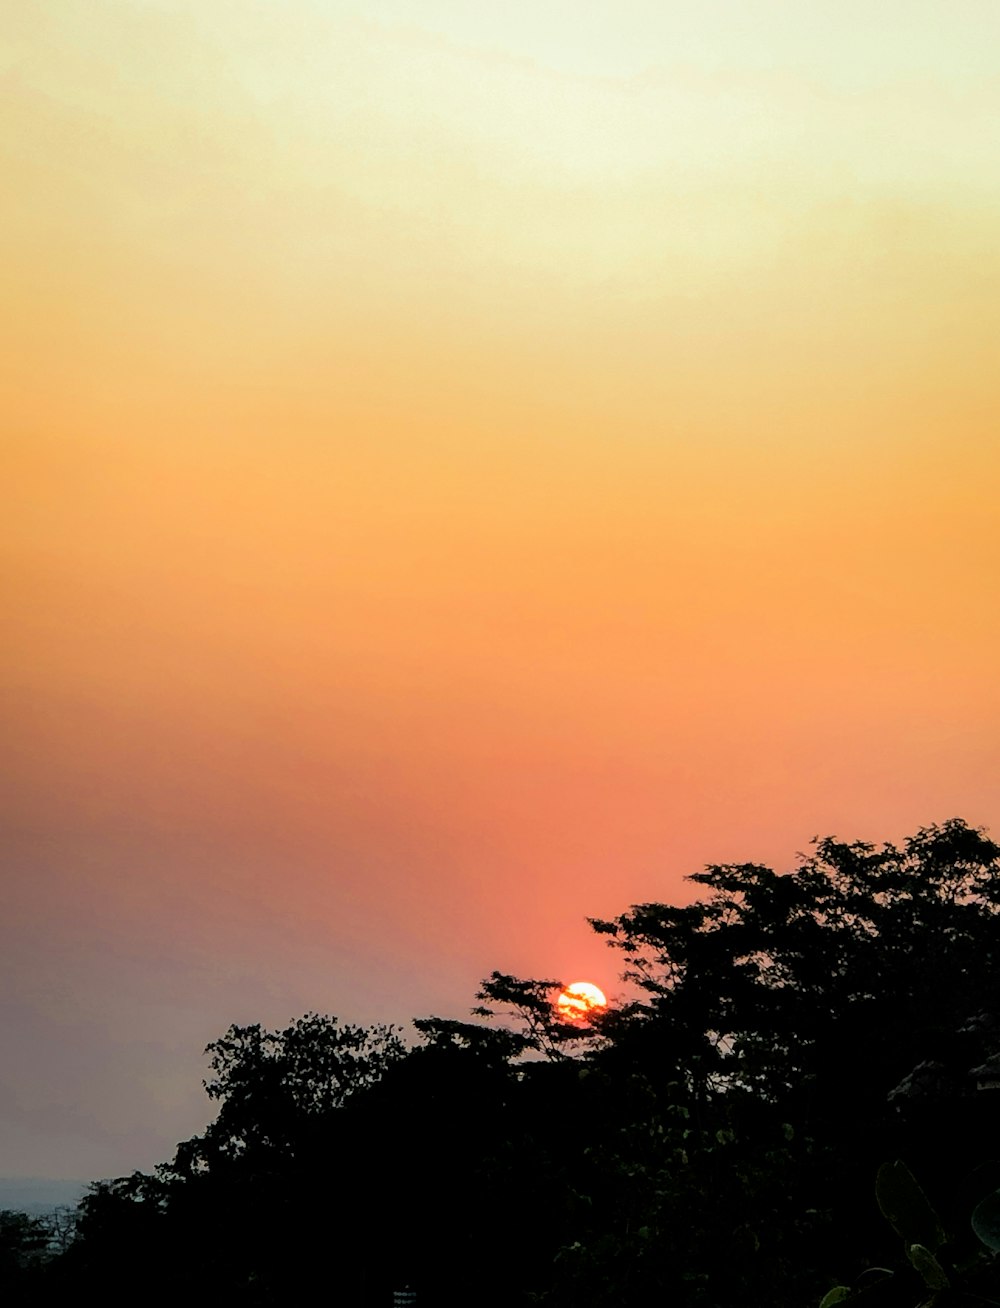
x: 467, y: 466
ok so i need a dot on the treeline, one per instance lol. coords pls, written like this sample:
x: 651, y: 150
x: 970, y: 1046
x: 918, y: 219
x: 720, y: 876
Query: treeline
x: 716, y: 1141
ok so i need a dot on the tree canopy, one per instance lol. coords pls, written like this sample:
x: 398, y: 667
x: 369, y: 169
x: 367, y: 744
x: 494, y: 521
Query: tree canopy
x: 712, y: 1139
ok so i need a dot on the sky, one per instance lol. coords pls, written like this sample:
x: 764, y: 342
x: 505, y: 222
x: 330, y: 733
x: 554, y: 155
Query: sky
x: 466, y: 467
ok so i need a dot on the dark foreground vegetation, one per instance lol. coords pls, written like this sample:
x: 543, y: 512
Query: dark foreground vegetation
x: 717, y: 1141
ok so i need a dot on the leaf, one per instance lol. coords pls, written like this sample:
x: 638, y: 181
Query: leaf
x: 928, y: 1266
x: 875, y: 1288
x: 872, y: 1276
x: 837, y: 1295
x: 905, y: 1207
x: 986, y: 1221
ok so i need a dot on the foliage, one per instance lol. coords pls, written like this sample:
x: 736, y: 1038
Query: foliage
x: 531, y: 1004
x: 24, y: 1247
x: 936, y: 1268
x: 23, y: 1240
x: 775, y: 983
x: 268, y: 1082
x: 702, y: 1143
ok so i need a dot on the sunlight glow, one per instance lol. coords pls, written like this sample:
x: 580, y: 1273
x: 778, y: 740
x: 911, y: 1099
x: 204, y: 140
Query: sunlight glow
x: 578, y: 1001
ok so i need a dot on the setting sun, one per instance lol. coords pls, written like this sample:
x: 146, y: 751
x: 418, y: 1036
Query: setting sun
x: 579, y: 1000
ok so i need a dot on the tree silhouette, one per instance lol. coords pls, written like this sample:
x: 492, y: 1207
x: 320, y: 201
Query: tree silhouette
x: 704, y: 1143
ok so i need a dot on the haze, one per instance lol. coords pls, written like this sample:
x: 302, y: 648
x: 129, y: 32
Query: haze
x: 468, y: 466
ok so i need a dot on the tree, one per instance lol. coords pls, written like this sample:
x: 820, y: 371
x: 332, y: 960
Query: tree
x: 247, y: 1211
x: 812, y: 1003
x: 269, y: 1084
x: 60, y: 1224
x: 23, y: 1242
x: 704, y: 1145
x: 850, y: 969
x: 531, y: 1004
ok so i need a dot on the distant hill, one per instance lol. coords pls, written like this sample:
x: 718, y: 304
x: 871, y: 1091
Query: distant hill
x: 25, y: 1194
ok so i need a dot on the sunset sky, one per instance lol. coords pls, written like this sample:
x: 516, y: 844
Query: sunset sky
x: 467, y: 466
